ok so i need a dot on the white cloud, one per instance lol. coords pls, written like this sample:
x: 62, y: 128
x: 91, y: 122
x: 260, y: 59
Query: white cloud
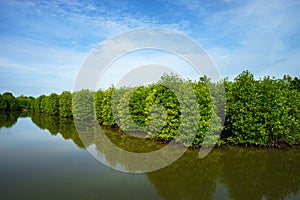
x: 182, y: 52
x: 104, y: 20
x: 262, y: 43
x: 51, y: 39
x: 28, y: 63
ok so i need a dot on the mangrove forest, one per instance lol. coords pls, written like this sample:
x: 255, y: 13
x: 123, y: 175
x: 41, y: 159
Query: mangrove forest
x: 255, y: 112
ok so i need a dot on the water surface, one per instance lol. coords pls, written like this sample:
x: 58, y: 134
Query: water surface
x: 42, y: 157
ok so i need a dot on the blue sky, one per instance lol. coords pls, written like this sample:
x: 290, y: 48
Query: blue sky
x: 44, y: 43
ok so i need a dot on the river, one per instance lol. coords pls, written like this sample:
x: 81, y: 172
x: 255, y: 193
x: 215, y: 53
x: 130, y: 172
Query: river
x: 42, y: 157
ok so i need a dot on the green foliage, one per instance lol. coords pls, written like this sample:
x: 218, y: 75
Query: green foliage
x: 106, y: 113
x: 137, y: 104
x: 103, y: 105
x: 295, y: 84
x: 8, y: 102
x: 43, y: 104
x: 261, y: 112
x: 189, y: 114
x: 52, y: 104
x: 22, y: 102
x: 163, y: 114
x: 30, y: 103
x: 98, y: 105
x: 158, y: 109
x: 37, y: 103
x: 121, y: 109
x: 65, y: 104
x: 83, y: 105
x: 209, y: 122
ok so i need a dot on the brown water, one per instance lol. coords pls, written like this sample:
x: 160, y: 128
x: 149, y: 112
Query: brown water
x: 42, y: 157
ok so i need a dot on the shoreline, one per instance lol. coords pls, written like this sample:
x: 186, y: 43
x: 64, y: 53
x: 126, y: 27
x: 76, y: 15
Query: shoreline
x: 224, y: 143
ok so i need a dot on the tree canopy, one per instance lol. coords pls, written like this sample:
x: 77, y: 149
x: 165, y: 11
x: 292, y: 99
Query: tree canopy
x: 262, y: 112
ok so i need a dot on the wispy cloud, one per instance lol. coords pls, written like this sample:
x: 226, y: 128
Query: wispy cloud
x: 81, y: 22
x: 45, y: 42
x: 256, y: 35
x: 31, y: 63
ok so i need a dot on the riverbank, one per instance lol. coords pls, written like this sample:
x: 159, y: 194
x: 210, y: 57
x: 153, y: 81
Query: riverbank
x: 54, y: 123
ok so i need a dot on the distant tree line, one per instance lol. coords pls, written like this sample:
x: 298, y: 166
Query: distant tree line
x: 262, y: 112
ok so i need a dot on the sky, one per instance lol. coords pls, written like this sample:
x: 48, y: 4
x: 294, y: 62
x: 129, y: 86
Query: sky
x: 43, y: 44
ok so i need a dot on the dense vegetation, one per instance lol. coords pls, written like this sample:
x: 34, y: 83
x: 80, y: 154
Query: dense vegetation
x: 262, y: 112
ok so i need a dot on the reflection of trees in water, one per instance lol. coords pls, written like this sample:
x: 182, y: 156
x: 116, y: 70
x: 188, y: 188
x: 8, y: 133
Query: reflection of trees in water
x: 8, y: 119
x: 68, y: 130
x: 55, y: 125
x: 188, y: 177
x: 247, y: 173
x: 254, y: 173
x: 129, y: 142
x: 106, y: 142
x: 36, y: 119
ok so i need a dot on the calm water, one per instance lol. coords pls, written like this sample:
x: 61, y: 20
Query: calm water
x: 42, y: 157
